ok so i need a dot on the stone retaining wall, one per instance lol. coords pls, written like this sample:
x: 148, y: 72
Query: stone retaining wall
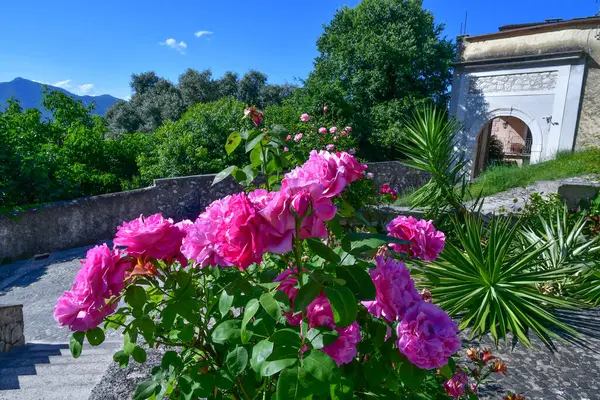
x: 88, y: 220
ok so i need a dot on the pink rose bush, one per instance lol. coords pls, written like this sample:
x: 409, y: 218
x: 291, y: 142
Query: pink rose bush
x: 427, y: 336
x: 396, y: 291
x: 425, y: 242
x: 262, y: 285
x: 227, y: 233
x: 102, y: 276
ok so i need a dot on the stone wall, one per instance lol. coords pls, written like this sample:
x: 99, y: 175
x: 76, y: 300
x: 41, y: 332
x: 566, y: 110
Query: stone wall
x: 89, y: 220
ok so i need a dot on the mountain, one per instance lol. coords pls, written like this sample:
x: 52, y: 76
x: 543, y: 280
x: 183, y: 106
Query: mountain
x: 29, y: 94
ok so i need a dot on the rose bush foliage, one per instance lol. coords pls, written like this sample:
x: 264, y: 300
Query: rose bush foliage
x: 266, y: 295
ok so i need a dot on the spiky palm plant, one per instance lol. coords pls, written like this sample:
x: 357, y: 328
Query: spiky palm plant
x: 430, y: 143
x: 563, y: 241
x: 491, y: 282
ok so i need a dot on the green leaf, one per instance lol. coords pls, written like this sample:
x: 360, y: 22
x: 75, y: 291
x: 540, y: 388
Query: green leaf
x: 307, y: 294
x: 76, y: 343
x: 95, y: 336
x: 135, y: 296
x: 249, y: 312
x: 187, y: 333
x: 290, y: 387
x: 145, y: 389
x: 320, y: 366
x: 321, y: 336
x: 281, y: 357
x: 129, y: 341
x: 139, y: 354
x: 270, y: 305
x: 223, y: 174
x: 287, y: 337
x: 237, y: 360
x: 411, y: 375
x: 224, y: 380
x: 358, y: 281
x: 260, y: 352
x: 227, y: 330
x: 254, y: 141
x: 342, y: 390
x: 146, y: 324
x: 225, y: 302
x: 256, y: 157
x: 239, y: 175
x: 122, y: 358
x: 447, y: 371
x: 343, y: 305
x: 323, y: 251
x: 233, y: 141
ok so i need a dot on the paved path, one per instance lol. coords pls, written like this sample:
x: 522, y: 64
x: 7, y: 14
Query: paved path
x: 44, y: 368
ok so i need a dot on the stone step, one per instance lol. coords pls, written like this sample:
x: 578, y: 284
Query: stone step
x: 42, y: 393
x: 62, y: 381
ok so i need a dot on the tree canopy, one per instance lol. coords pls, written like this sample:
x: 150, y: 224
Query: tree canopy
x: 156, y: 100
x: 376, y: 62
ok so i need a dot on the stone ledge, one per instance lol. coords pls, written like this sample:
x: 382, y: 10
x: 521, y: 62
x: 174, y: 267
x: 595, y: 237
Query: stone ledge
x: 11, y: 327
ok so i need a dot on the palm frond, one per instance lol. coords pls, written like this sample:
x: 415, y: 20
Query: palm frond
x: 493, y: 283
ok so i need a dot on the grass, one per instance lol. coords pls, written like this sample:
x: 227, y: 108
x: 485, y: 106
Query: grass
x: 498, y: 179
x: 566, y: 165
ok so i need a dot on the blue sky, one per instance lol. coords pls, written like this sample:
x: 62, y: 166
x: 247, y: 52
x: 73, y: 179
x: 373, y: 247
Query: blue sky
x: 93, y: 47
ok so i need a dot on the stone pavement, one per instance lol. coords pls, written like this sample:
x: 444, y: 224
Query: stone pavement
x: 44, y: 369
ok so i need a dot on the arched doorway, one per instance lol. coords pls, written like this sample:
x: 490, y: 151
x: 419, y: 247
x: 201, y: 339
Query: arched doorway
x: 502, y: 140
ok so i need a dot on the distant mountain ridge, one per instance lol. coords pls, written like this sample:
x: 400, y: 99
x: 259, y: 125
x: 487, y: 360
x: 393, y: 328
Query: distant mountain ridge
x: 29, y: 94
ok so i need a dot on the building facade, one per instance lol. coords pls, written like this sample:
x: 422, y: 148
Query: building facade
x: 529, y: 91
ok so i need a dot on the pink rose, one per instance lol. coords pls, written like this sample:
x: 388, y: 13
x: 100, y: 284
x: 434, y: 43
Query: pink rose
x: 353, y: 169
x: 427, y: 336
x: 330, y: 147
x: 395, y: 290
x: 335, y: 139
x: 277, y: 225
x: 305, y: 117
x: 227, y: 233
x: 456, y: 386
x: 101, y: 277
x: 289, y: 280
x: 333, y: 129
x: 288, y: 138
x: 425, y: 241
x: 286, y: 149
x: 343, y: 350
x: 348, y: 129
x: 153, y: 237
x: 298, y: 137
x: 370, y: 175
x: 254, y: 114
x: 344, y: 133
x: 322, y: 130
x: 325, y: 108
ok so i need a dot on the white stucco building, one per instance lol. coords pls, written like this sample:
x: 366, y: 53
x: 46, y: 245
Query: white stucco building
x: 532, y: 89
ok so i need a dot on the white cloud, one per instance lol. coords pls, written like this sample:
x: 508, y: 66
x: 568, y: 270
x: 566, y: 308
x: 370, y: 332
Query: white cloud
x: 86, y: 88
x: 203, y: 33
x: 66, y: 84
x: 172, y: 43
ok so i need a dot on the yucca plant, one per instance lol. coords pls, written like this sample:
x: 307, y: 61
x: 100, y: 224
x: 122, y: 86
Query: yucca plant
x: 430, y: 143
x: 491, y: 282
x: 563, y: 241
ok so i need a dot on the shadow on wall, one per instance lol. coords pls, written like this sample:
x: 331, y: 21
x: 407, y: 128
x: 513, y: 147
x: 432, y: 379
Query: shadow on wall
x: 476, y: 109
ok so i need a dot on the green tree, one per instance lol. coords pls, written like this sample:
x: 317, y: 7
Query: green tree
x: 227, y: 85
x: 377, y: 62
x: 197, y: 87
x: 249, y: 87
x: 194, y: 144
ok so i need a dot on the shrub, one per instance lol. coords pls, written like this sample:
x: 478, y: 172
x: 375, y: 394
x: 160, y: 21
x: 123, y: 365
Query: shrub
x: 265, y: 295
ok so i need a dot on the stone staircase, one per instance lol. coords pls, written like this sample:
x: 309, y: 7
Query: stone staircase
x: 44, y: 371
